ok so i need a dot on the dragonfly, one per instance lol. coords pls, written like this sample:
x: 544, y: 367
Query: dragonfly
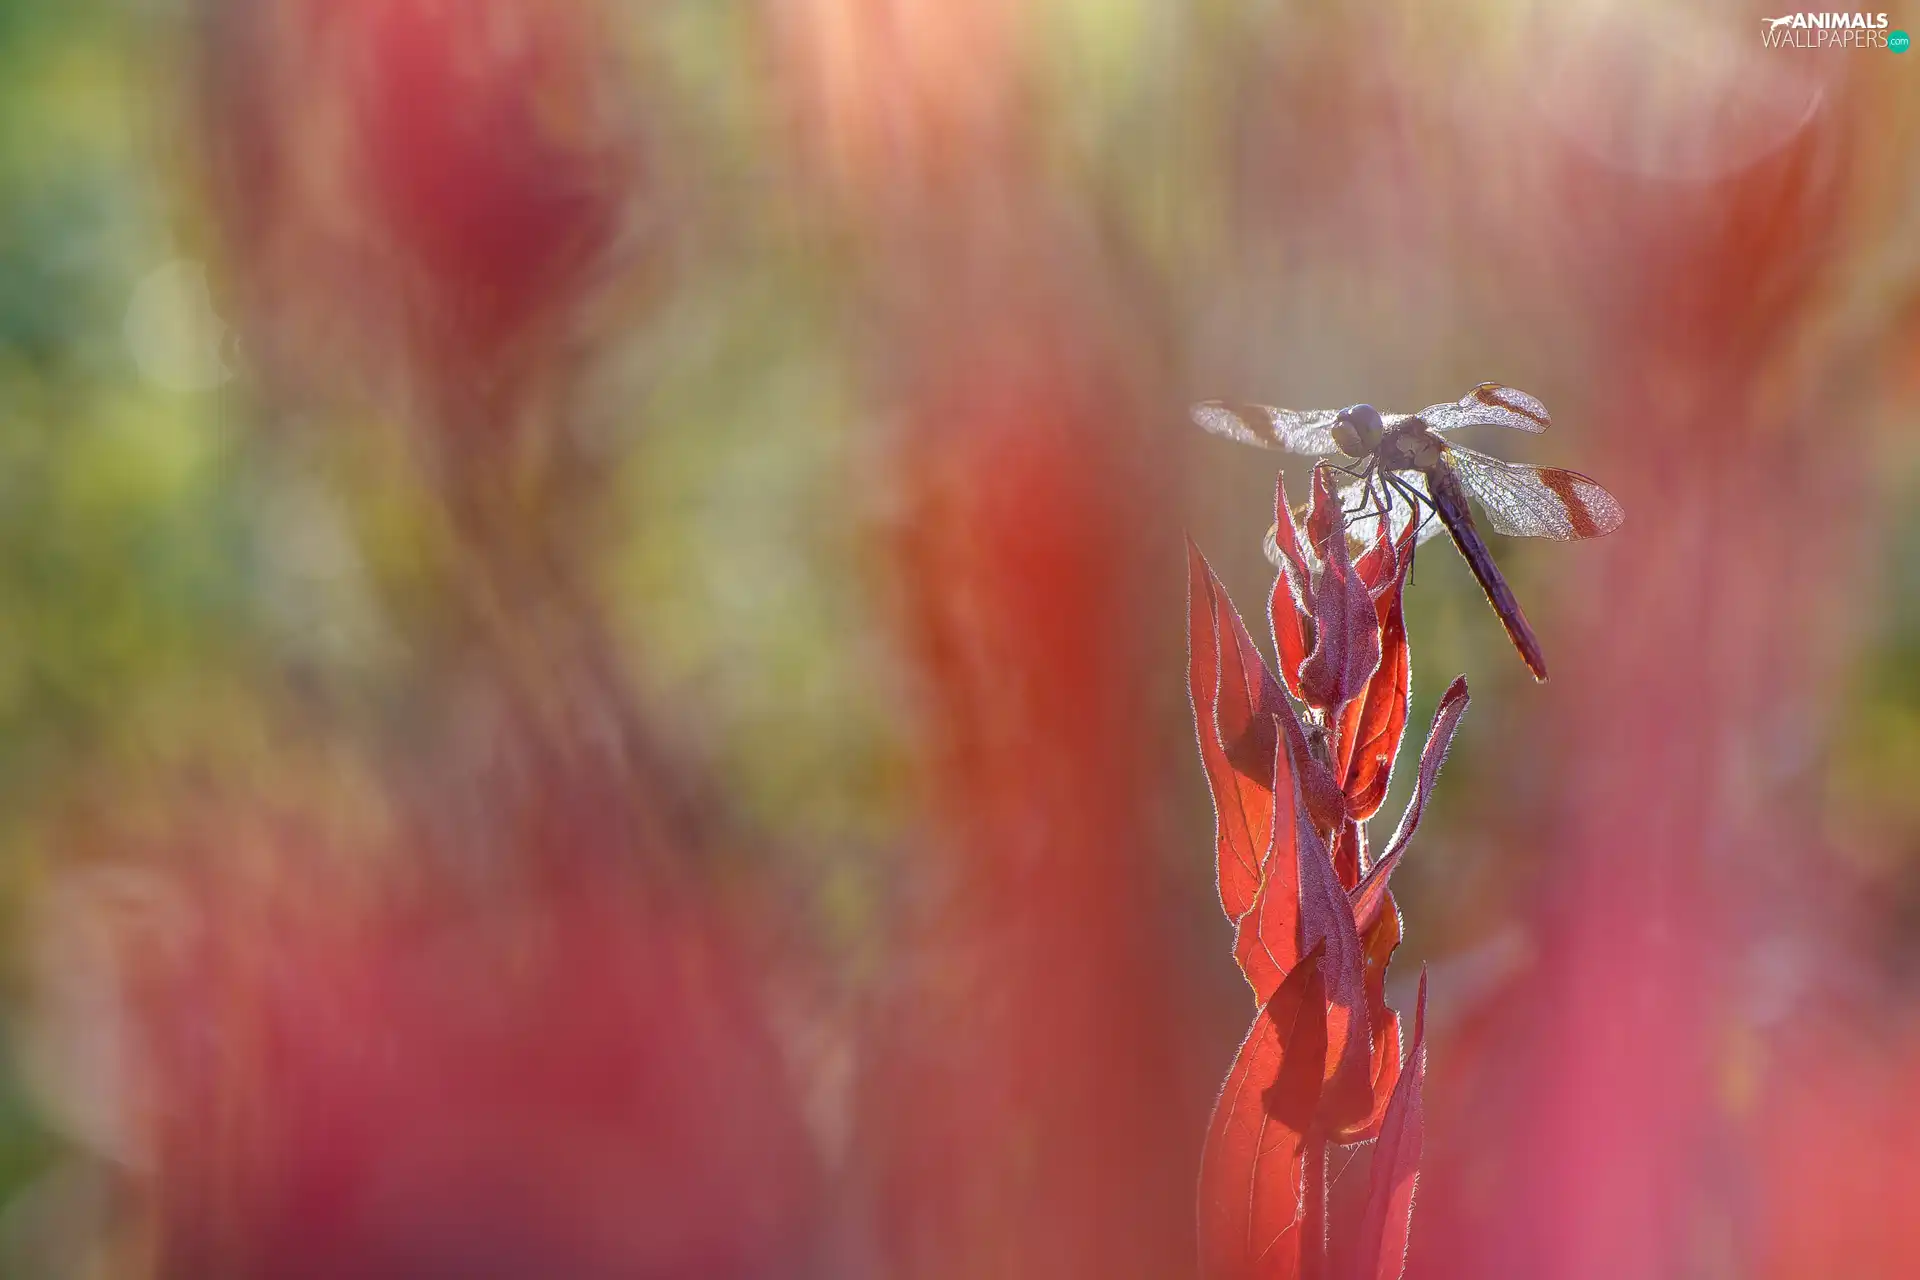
x: 1401, y: 467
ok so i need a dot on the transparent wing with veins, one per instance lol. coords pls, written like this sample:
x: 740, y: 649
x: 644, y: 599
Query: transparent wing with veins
x: 1521, y: 500
x: 1489, y: 405
x: 1527, y: 501
x: 1308, y: 431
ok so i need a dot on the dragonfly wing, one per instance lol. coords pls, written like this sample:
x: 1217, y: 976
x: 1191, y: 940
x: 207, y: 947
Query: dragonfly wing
x: 1308, y: 431
x: 1489, y: 405
x: 1526, y: 501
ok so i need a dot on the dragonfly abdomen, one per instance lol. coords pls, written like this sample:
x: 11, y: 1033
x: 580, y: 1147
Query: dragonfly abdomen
x: 1450, y: 502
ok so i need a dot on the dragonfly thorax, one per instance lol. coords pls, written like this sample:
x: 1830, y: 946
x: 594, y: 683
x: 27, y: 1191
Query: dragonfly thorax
x: 1358, y: 430
x: 1410, y: 445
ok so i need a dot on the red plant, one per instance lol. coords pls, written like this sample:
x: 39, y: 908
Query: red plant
x: 1014, y: 1103
x: 333, y: 1063
x: 419, y: 198
x: 1315, y: 922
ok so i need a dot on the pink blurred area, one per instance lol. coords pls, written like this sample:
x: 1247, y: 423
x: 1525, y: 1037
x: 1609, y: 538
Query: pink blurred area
x: 551, y: 989
x: 317, y: 1073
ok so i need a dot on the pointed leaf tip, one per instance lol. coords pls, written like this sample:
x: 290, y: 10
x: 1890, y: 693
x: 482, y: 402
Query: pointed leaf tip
x: 1227, y: 685
x: 1370, y: 728
x: 1371, y: 893
x: 1290, y: 607
x: 1323, y: 512
x: 1241, y: 717
x: 1387, y: 561
x: 1286, y: 537
x: 1346, y: 649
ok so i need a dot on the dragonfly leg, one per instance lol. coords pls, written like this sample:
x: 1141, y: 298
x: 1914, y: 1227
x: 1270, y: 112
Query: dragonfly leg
x: 1356, y: 471
x: 1416, y: 499
x: 1380, y: 502
x: 1430, y: 514
x: 1367, y: 497
x: 1422, y: 506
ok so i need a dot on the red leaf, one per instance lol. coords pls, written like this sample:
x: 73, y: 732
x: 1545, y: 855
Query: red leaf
x: 1326, y: 923
x: 1379, y: 942
x: 1268, y: 942
x: 1346, y: 649
x: 1386, y: 562
x: 1325, y: 801
x: 1247, y: 698
x: 1372, y: 725
x: 1286, y: 539
x: 1386, y: 1078
x: 1250, y: 1172
x: 1290, y: 609
x: 1396, y: 1165
x: 1323, y: 513
x: 1225, y: 697
x: 1267, y: 939
x: 1371, y: 893
x: 1293, y: 1098
x: 1349, y: 852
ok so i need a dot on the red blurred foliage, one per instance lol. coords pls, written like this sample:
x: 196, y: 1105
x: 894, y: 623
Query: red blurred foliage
x: 486, y: 159
x: 1020, y: 1104
x: 417, y: 194
x: 333, y: 1067
x: 1321, y: 1063
x: 1597, y: 1133
x: 1016, y: 1102
x: 1837, y: 1150
x: 525, y: 1029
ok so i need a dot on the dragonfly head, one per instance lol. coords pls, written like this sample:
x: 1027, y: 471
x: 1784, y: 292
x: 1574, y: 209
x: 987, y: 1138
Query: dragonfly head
x: 1357, y: 430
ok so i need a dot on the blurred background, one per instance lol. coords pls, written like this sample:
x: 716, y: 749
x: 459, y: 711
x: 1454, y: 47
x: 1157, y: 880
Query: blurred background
x: 592, y: 606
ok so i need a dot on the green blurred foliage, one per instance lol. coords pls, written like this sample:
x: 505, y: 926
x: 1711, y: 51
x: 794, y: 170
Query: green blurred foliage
x: 125, y: 551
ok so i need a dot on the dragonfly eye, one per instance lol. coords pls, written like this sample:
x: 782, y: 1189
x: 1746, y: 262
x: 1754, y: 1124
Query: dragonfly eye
x: 1357, y: 430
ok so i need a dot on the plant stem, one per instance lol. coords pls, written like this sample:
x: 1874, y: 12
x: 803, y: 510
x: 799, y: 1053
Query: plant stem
x: 1313, y: 1245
